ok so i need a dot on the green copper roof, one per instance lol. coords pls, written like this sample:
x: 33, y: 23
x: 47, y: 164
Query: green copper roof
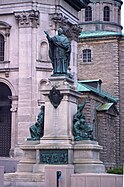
x: 104, y: 107
x: 93, y: 80
x: 82, y: 88
x: 90, y: 34
x: 86, y: 88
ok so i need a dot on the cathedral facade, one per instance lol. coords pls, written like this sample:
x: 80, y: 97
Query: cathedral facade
x: 24, y: 62
x: 25, y: 65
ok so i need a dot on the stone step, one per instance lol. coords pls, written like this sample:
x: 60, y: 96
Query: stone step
x: 24, y: 179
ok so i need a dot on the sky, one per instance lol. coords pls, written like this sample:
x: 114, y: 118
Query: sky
x: 122, y: 16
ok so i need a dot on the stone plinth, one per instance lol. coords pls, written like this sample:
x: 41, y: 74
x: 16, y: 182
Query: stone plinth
x: 86, y: 157
x: 26, y: 174
x: 58, y: 121
x: 24, y: 179
x: 29, y: 157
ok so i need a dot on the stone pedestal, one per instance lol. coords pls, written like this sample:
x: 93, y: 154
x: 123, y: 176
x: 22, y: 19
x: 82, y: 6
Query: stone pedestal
x: 57, y: 150
x: 56, y: 145
x: 58, y: 121
x: 86, y: 157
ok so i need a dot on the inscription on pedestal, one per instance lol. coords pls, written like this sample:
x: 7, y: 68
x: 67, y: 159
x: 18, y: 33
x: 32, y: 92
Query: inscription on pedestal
x: 54, y: 156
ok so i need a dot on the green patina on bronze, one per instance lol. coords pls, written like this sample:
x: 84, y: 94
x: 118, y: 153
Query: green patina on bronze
x: 37, y: 129
x: 55, y: 97
x: 81, y: 129
x: 54, y: 156
x: 59, y: 52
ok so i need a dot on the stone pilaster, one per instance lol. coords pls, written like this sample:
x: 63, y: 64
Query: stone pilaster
x: 27, y: 28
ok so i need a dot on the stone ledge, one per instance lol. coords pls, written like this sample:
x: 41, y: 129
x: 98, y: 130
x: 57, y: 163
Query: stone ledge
x: 91, y: 179
x: 25, y: 177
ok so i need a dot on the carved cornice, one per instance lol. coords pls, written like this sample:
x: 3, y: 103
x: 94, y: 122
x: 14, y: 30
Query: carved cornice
x: 28, y: 18
x: 59, y: 18
x: 75, y: 29
x: 78, y: 4
x: 71, y: 30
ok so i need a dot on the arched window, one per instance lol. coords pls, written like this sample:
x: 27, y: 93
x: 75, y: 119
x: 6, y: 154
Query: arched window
x: 106, y: 13
x: 86, y: 55
x: 88, y: 13
x: 5, y: 120
x: 1, y: 47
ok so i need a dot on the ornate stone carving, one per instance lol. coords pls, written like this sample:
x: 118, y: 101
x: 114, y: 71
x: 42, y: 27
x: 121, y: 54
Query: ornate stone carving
x: 27, y: 18
x: 59, y: 19
x: 14, y: 108
x: 71, y: 30
x: 75, y: 30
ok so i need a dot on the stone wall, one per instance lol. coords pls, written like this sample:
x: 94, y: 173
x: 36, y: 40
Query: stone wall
x: 107, y: 57
x: 104, y: 127
x: 103, y: 65
x: 121, y: 67
x: 87, y: 180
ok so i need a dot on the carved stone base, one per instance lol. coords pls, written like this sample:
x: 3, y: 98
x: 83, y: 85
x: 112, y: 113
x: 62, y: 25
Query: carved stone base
x: 26, y: 174
x: 86, y: 157
x: 22, y: 179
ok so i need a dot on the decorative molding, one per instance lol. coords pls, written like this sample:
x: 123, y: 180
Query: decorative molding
x: 58, y: 18
x: 6, y: 27
x: 27, y: 18
x: 75, y: 29
x: 14, y: 108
